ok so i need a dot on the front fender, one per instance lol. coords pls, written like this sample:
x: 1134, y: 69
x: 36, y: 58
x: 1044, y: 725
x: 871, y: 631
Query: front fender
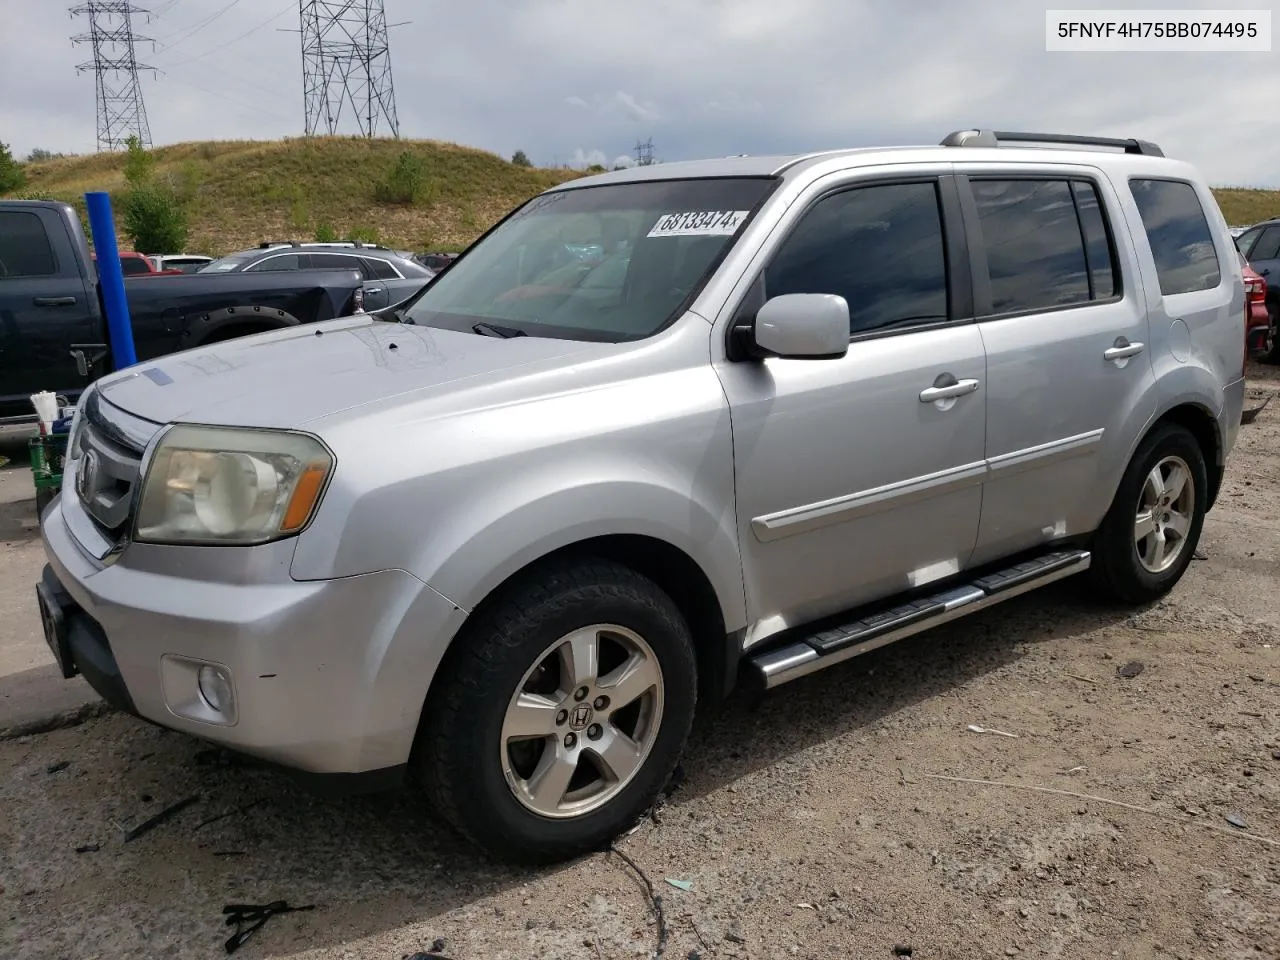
x: 640, y: 457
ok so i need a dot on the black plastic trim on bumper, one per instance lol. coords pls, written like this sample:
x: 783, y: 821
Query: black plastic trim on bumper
x: 84, y: 648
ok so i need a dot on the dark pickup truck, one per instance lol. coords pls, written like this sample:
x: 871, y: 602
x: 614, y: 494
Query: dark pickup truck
x: 53, y: 333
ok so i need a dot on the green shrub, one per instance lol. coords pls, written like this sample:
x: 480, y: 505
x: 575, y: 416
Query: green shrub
x: 326, y: 234
x: 521, y: 159
x: 12, y: 175
x: 138, y: 163
x: 406, y: 183
x: 154, y: 220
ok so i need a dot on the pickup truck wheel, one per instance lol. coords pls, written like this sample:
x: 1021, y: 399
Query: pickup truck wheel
x: 562, y: 714
x: 1150, y: 533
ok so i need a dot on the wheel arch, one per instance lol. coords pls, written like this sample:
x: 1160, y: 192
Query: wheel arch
x: 673, y: 570
x: 228, y: 323
x: 1201, y: 423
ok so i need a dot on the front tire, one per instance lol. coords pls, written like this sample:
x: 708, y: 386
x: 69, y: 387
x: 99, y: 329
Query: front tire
x: 1150, y: 534
x: 561, y: 712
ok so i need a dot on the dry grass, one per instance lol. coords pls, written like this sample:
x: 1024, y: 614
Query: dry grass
x: 1243, y: 206
x: 243, y: 192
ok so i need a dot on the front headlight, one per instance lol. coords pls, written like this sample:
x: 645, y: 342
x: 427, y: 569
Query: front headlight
x: 231, y: 485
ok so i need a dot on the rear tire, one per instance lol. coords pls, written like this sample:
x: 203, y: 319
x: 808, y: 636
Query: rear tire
x: 560, y: 713
x: 1149, y: 535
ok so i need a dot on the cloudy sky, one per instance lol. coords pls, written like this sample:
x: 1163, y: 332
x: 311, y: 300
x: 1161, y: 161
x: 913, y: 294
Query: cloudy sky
x: 573, y: 81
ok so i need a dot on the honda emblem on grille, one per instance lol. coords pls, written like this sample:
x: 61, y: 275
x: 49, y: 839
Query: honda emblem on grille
x: 87, y: 477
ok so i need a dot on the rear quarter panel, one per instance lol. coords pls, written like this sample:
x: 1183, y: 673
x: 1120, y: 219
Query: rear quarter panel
x: 1197, y: 338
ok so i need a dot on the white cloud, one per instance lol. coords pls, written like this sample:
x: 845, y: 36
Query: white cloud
x: 705, y: 79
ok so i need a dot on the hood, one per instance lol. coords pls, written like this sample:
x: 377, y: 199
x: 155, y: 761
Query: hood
x: 293, y: 377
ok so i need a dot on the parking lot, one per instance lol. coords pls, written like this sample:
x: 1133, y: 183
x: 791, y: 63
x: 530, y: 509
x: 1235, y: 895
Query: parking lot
x: 852, y: 814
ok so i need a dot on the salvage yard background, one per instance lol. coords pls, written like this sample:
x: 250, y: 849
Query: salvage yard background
x: 819, y: 823
x: 420, y: 194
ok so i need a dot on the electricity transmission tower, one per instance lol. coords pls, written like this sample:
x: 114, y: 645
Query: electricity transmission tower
x: 346, y: 65
x: 121, y: 112
x: 644, y: 153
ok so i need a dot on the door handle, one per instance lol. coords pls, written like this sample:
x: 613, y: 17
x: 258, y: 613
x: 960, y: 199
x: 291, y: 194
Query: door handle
x: 1123, y: 350
x: 957, y: 389
x: 55, y: 301
x: 373, y: 290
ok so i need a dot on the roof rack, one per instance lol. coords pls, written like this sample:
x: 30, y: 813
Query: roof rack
x: 993, y: 138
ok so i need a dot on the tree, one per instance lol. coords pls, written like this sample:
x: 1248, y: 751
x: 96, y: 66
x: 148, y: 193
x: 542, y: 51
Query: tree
x: 521, y: 159
x: 154, y: 220
x: 40, y: 154
x: 138, y: 163
x: 12, y: 176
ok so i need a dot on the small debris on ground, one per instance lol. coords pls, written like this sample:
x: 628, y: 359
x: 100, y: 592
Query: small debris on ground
x: 57, y: 767
x: 684, y: 885
x: 1236, y: 821
x: 1131, y: 669
x: 974, y: 728
x: 146, y: 826
x: 902, y: 950
x: 240, y: 914
x: 88, y: 848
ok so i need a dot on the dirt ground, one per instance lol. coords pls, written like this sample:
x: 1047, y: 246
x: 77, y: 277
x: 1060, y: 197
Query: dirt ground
x: 818, y: 823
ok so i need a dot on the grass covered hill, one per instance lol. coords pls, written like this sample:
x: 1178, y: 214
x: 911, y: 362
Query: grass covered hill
x: 240, y: 193
x: 420, y: 194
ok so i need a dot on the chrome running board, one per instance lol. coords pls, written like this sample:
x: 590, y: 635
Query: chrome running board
x: 833, y: 645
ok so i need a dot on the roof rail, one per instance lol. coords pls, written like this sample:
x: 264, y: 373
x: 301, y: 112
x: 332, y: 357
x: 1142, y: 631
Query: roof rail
x: 993, y: 138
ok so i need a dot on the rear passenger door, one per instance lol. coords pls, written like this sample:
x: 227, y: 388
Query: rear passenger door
x: 375, y: 294
x: 45, y: 307
x: 1063, y: 317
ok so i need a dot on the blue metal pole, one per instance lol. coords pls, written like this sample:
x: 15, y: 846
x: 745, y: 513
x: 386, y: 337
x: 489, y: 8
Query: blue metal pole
x: 111, y: 280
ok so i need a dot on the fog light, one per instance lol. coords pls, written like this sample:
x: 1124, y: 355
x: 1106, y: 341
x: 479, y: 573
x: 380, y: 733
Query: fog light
x: 215, y: 687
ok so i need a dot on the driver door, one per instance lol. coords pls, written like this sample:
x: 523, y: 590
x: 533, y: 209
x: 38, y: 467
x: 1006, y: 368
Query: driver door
x: 854, y: 480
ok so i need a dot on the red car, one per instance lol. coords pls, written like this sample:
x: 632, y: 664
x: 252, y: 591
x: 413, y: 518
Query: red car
x: 1259, y: 334
x: 137, y: 265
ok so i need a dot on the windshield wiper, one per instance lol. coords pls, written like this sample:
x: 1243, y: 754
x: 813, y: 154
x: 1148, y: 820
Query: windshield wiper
x: 493, y: 330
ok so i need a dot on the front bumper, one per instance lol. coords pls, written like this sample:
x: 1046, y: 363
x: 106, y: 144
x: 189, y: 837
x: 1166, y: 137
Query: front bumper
x: 329, y: 677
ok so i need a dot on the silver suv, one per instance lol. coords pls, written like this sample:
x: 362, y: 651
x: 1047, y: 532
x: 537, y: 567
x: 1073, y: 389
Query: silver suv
x: 658, y: 431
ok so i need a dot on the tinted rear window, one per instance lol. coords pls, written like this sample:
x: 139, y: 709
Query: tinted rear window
x: 1035, y: 249
x: 1178, y: 231
x: 24, y: 247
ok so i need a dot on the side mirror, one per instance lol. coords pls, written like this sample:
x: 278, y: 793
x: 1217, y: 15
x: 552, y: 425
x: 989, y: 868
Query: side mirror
x: 803, y: 326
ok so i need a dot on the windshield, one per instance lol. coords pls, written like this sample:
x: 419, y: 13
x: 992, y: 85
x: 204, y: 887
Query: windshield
x: 225, y: 265
x: 607, y: 263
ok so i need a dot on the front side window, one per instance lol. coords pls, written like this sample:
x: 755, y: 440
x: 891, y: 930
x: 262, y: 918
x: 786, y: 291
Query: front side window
x: 609, y: 263
x: 1268, y: 245
x: 880, y: 247
x: 1178, y: 231
x: 24, y: 247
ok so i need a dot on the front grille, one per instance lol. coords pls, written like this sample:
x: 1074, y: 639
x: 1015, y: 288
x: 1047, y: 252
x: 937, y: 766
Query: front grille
x: 109, y: 468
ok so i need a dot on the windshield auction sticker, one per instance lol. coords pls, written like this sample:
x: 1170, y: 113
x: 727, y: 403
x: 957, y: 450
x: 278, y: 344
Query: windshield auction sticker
x: 699, y: 223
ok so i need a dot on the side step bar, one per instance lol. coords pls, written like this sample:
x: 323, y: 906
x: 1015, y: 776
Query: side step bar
x: 837, y: 644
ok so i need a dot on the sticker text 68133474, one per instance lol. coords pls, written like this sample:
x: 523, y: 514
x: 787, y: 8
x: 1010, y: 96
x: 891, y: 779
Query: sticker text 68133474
x: 699, y: 223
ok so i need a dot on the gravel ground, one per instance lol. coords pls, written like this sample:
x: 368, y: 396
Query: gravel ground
x: 820, y: 822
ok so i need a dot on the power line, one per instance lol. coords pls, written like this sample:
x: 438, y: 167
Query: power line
x: 192, y: 31
x: 222, y: 46
x: 118, y: 94
x: 346, y: 63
